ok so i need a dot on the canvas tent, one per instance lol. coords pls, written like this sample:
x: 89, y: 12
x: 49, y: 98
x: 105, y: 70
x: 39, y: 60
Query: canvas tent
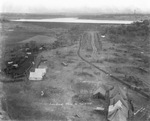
x: 118, y: 108
x: 118, y: 90
x: 40, y: 71
x: 102, y: 36
x: 118, y: 112
x: 37, y: 74
x: 100, y: 90
x: 117, y: 98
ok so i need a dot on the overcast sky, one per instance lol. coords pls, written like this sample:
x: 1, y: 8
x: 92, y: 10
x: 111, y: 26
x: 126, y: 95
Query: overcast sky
x: 75, y: 6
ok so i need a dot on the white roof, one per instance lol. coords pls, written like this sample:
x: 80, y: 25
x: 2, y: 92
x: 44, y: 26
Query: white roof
x: 10, y: 62
x: 41, y: 71
x: 38, y: 74
x: 16, y: 65
x: 99, y: 108
x: 35, y: 76
x: 28, y: 53
x: 117, y: 112
x: 42, y: 66
x: 103, y: 36
x: 100, y: 90
x: 118, y: 105
x: 41, y: 48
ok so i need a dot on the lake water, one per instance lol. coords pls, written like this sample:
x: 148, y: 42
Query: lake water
x: 76, y: 20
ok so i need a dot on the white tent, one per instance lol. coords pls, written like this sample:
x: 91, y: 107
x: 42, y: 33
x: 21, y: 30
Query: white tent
x: 10, y: 62
x: 117, y: 112
x: 103, y: 36
x: 41, y: 71
x: 119, y: 97
x: 100, y: 90
x: 38, y: 74
x: 35, y: 76
x: 112, y: 108
x: 118, y: 108
x: 118, y: 90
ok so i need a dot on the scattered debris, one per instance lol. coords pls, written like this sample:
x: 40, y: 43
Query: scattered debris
x: 40, y: 48
x: 77, y: 116
x: 28, y: 53
x: 64, y: 64
x: 27, y: 49
x: 15, y: 65
x: 140, y: 110
x: 10, y: 62
x: 99, y: 108
x: 42, y: 93
x: 10, y: 30
x: 103, y: 36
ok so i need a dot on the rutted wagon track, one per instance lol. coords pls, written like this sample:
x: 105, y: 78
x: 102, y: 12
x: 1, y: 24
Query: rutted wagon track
x: 113, y: 77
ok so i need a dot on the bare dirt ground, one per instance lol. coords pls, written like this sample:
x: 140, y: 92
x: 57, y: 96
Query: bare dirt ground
x: 66, y: 92
x: 75, y: 84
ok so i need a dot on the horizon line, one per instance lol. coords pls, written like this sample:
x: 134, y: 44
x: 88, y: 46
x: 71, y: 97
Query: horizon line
x: 77, y: 13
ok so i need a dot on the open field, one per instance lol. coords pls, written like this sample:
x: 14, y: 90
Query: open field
x: 80, y: 58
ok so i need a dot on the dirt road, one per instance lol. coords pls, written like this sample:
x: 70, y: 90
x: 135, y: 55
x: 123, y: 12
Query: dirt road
x: 109, y: 74
x: 94, y: 53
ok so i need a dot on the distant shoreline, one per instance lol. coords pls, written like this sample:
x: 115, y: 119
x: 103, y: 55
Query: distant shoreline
x: 75, y: 20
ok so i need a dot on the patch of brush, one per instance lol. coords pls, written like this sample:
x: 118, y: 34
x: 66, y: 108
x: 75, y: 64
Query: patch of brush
x: 139, y: 70
x: 84, y: 74
x: 49, y: 116
x: 116, y: 60
x: 83, y: 88
x: 70, y: 61
x: 46, y: 92
x: 146, y: 89
x: 134, y: 80
x: 98, y: 97
x: 97, y: 61
x: 81, y: 98
x: 19, y: 108
x: 87, y: 68
x: 97, y: 73
x: 88, y: 56
x: 100, y: 113
x: 80, y: 65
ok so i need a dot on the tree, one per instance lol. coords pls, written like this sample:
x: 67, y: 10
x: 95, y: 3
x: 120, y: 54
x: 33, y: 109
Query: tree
x: 74, y: 33
x: 33, y: 46
x: 146, y: 22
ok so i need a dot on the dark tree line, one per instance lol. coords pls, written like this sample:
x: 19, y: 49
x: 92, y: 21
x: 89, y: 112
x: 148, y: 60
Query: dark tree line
x: 135, y: 29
